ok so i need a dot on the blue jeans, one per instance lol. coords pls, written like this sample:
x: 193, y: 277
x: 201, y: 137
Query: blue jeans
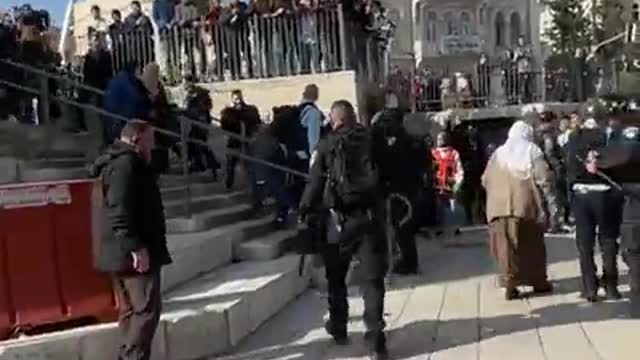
x: 271, y: 182
x: 450, y: 214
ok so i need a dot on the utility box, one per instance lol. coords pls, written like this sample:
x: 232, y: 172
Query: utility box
x: 46, y: 257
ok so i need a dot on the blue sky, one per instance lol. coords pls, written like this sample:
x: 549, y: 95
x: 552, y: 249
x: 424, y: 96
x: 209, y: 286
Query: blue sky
x: 55, y: 7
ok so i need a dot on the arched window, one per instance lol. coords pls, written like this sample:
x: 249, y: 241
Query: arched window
x: 500, y: 29
x: 451, y: 24
x: 431, y: 27
x: 466, y: 27
x: 635, y: 12
x: 515, y: 28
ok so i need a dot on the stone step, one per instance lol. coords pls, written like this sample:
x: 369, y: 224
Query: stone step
x: 209, y: 219
x: 194, y: 254
x: 176, y: 208
x: 269, y: 247
x: 197, y: 189
x: 205, y: 317
x: 53, y: 174
x: 57, y: 163
x: 214, y: 313
x: 167, y: 181
x: 197, y: 253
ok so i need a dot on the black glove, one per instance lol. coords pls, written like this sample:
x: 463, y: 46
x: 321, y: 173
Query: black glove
x: 303, y: 215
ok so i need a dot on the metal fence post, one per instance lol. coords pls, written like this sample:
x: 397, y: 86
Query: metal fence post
x: 41, y: 111
x: 185, y: 167
x: 343, y: 37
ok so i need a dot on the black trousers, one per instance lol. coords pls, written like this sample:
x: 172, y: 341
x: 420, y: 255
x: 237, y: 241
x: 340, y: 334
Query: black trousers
x: 202, y: 158
x: 232, y: 163
x: 597, y: 209
x: 405, y: 235
x: 140, y: 306
x: 373, y: 259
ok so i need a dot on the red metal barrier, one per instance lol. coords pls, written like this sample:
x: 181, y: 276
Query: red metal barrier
x: 46, y: 256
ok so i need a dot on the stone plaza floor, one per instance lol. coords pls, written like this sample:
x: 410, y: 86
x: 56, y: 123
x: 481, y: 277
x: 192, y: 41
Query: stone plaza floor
x: 453, y: 311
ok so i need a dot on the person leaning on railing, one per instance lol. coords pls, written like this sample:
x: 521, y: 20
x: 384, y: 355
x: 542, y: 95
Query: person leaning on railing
x: 242, y: 119
x: 234, y: 20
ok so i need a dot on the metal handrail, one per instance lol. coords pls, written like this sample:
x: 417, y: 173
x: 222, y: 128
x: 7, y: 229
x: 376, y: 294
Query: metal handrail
x: 80, y: 85
x: 160, y: 130
x: 97, y: 91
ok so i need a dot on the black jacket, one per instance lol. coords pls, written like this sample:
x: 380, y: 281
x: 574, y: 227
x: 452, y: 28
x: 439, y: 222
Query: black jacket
x: 403, y: 161
x: 97, y: 69
x: 315, y: 196
x: 232, y: 118
x: 267, y: 147
x: 133, y: 211
x: 580, y: 143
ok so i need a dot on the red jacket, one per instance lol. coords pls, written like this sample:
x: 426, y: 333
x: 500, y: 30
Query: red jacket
x: 449, y: 172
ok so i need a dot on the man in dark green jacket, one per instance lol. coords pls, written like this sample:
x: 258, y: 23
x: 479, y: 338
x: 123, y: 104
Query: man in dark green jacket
x: 133, y: 245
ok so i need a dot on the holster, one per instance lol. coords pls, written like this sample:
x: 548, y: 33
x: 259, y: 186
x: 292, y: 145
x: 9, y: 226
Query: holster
x: 348, y: 229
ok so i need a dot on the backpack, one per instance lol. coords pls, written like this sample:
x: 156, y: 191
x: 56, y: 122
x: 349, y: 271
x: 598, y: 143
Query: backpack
x: 352, y: 177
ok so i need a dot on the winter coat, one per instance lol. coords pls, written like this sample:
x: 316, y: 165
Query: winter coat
x: 133, y: 214
x: 231, y: 120
x: 163, y: 13
x: 126, y: 96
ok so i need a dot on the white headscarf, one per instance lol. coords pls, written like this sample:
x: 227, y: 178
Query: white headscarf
x: 518, y: 152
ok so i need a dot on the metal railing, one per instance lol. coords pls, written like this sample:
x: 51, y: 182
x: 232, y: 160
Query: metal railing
x: 307, y: 42
x: 45, y: 98
x: 489, y: 85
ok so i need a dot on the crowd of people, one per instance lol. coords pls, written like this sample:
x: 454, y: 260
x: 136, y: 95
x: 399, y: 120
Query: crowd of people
x: 24, y: 37
x: 360, y: 191
x: 260, y: 38
x: 365, y: 191
x: 437, y: 89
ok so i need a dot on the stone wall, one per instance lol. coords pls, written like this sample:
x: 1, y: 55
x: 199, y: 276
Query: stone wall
x: 267, y: 93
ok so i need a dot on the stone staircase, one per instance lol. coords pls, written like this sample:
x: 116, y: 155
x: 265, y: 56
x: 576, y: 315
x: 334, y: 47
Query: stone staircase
x: 230, y: 274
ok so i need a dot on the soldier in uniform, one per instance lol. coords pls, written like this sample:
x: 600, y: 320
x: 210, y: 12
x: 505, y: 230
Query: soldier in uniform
x: 618, y: 161
x: 546, y: 139
x: 342, y: 189
x: 592, y: 197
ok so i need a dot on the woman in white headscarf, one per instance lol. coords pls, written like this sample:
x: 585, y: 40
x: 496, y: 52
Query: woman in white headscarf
x: 516, y: 179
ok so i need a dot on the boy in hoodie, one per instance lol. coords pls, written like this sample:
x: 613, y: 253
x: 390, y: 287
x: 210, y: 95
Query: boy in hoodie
x: 133, y: 246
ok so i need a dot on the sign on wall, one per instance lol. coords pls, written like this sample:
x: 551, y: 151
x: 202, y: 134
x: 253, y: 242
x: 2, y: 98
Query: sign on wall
x: 458, y: 44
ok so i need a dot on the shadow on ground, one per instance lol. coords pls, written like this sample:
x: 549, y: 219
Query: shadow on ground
x: 305, y: 339
x: 400, y: 348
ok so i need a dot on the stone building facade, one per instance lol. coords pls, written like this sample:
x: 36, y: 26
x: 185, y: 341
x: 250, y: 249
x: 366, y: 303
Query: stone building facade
x: 450, y: 35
